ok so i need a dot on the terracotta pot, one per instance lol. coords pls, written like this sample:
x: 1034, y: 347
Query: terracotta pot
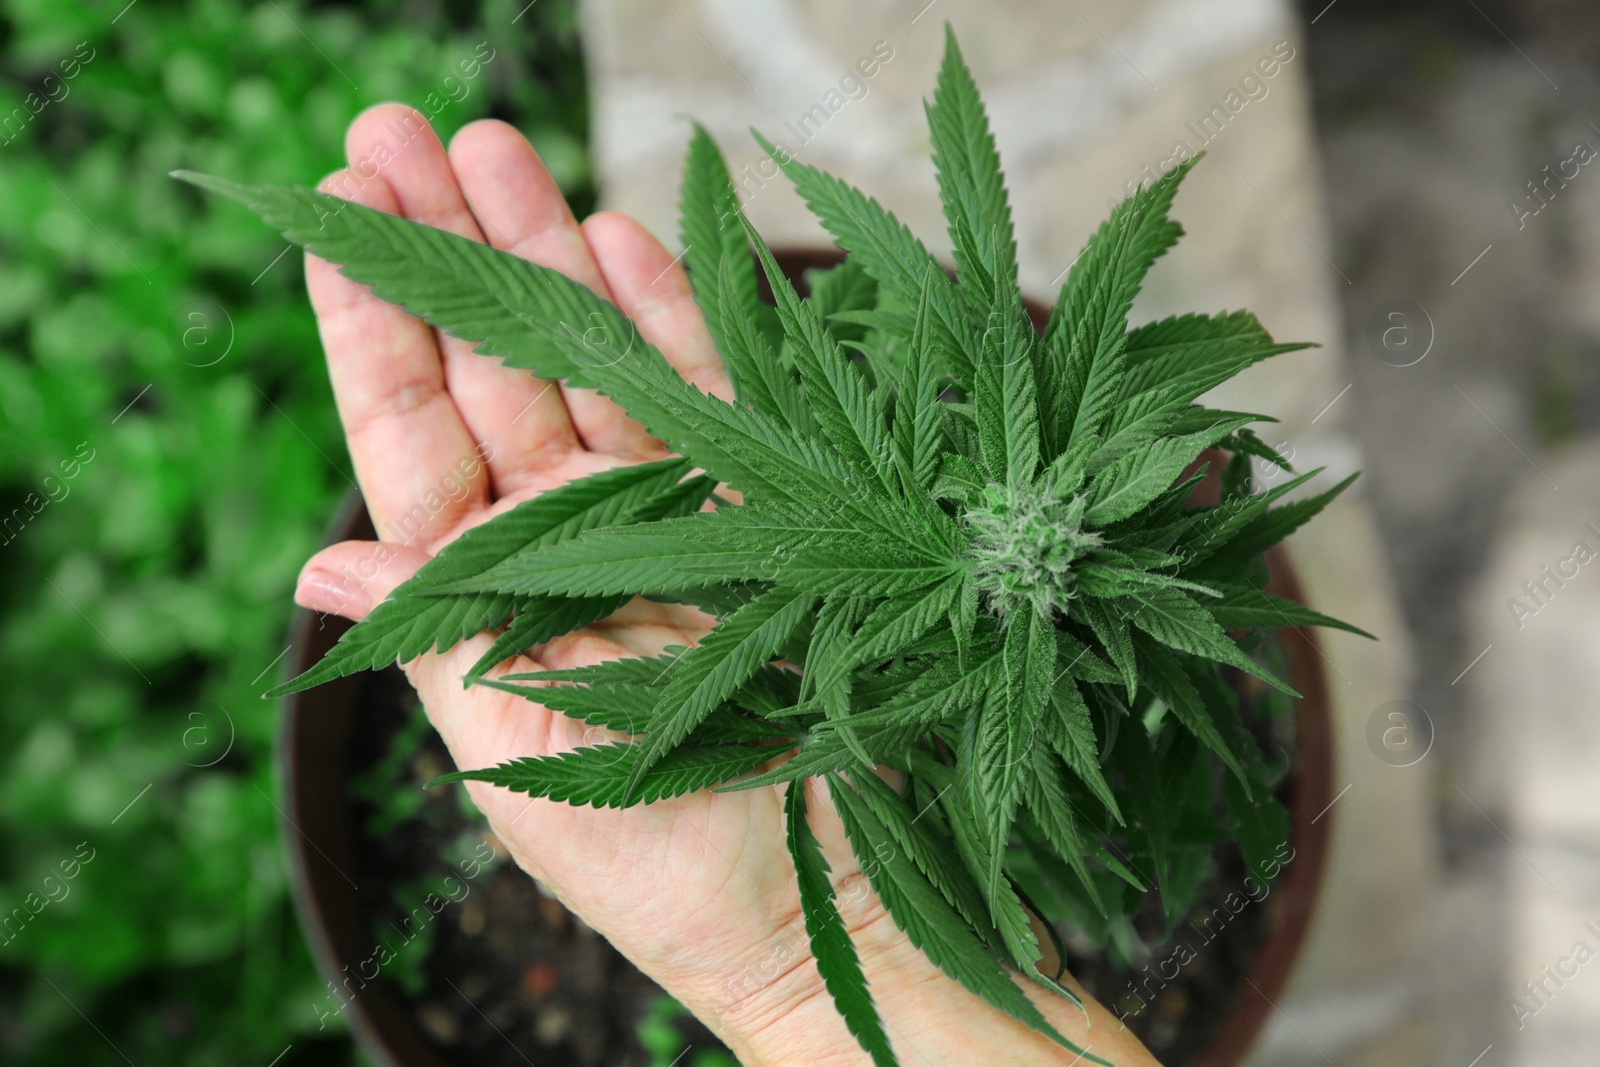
x: 322, y: 834
x: 1294, y: 895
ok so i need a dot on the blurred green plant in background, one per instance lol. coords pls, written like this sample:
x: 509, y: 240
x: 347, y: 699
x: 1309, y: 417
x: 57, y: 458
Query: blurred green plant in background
x: 665, y: 1043
x: 169, y: 455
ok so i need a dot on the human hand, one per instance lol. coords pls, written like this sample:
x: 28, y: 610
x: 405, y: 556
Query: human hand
x: 698, y: 891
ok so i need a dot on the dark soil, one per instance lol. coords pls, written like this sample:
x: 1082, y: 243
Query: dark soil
x: 1176, y: 998
x: 1176, y: 1001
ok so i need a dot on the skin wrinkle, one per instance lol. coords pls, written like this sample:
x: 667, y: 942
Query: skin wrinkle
x: 572, y: 465
x: 791, y: 929
x: 394, y: 404
x: 512, y: 729
x: 555, y: 445
x: 405, y: 389
x: 539, y: 238
x: 451, y: 220
x: 714, y: 902
x: 785, y: 1008
x: 579, y: 649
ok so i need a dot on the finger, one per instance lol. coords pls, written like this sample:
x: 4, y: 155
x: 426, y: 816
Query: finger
x: 493, y: 402
x: 403, y: 430
x: 481, y: 727
x: 351, y: 578
x: 653, y: 290
x: 522, y: 210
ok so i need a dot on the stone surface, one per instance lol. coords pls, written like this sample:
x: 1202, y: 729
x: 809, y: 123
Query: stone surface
x: 1532, y: 775
x: 1483, y: 469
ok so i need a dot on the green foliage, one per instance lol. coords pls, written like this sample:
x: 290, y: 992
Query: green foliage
x: 144, y: 597
x: 974, y: 544
x: 613, y: 776
x: 830, y: 940
x: 427, y: 610
x: 666, y: 1044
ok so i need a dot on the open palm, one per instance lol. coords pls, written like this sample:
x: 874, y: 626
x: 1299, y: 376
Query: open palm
x: 698, y: 891
x: 420, y: 410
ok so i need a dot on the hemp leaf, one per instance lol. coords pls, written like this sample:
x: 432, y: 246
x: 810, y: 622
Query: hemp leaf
x: 967, y: 552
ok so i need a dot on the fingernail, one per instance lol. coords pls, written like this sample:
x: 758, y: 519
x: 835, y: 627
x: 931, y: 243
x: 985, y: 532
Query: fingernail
x: 330, y: 594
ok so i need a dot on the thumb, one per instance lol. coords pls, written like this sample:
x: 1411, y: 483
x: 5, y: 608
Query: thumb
x: 353, y: 577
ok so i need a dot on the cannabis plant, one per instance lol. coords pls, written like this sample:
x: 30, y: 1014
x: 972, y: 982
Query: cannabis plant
x: 966, y: 553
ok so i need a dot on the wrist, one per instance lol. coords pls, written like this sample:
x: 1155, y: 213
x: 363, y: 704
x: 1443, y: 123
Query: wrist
x: 769, y: 1005
x: 775, y: 1011
x: 772, y: 1008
